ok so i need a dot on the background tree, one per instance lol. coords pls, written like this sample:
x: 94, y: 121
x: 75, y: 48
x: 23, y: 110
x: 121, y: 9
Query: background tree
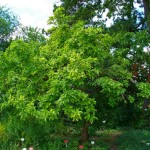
x: 29, y: 33
x: 147, y: 12
x: 8, y: 24
x: 130, y: 39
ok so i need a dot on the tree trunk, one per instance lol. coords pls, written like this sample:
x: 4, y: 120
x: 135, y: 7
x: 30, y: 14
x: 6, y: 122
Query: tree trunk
x: 147, y: 12
x: 85, y: 134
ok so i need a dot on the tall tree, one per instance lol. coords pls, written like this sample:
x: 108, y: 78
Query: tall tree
x: 128, y: 27
x: 128, y: 11
x: 72, y: 76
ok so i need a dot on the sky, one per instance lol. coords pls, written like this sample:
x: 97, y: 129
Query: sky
x: 34, y: 12
x: 31, y: 12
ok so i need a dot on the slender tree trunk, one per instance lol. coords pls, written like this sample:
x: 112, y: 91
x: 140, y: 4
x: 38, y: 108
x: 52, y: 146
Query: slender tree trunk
x: 147, y: 12
x: 85, y: 134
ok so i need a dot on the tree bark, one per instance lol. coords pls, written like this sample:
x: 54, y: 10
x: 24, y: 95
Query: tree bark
x: 147, y: 13
x: 85, y: 134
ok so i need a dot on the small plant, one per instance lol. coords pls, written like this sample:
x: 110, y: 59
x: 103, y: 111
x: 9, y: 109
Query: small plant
x: 22, y: 142
x: 66, y: 143
x: 81, y: 146
x: 31, y: 148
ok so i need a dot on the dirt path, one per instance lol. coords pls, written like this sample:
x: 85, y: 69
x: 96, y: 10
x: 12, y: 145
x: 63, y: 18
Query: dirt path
x: 112, y: 141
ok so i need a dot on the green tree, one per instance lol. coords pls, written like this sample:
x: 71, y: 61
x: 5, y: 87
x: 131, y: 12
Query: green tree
x: 127, y: 12
x: 79, y: 71
x: 29, y: 33
x: 69, y: 76
x: 129, y: 31
x: 8, y: 24
x: 81, y: 9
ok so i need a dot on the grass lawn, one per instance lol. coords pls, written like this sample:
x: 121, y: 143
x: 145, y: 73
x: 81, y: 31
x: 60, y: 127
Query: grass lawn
x: 123, y: 139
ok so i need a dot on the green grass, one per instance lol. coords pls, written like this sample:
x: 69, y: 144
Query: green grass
x: 134, y: 140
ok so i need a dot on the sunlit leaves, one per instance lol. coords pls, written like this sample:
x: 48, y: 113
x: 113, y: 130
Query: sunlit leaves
x: 79, y: 68
x: 144, y: 89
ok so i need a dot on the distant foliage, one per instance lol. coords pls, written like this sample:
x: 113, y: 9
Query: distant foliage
x: 8, y: 24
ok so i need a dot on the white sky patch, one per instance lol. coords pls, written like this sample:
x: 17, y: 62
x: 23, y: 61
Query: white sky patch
x: 31, y: 12
x: 147, y: 49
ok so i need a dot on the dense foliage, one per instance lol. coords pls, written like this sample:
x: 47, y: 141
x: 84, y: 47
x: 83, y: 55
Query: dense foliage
x: 86, y: 73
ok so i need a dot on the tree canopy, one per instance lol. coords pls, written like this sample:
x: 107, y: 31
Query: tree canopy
x: 83, y: 69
